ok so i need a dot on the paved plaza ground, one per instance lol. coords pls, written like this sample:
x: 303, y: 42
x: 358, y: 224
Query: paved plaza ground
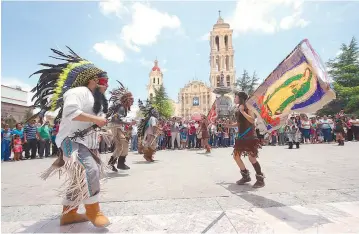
x: 310, y: 190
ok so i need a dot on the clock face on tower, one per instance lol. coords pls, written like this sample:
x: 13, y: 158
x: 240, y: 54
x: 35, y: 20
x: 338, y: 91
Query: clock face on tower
x: 196, y: 101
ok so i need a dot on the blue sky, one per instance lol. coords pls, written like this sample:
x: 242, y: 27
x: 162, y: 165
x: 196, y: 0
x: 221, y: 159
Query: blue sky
x: 124, y: 38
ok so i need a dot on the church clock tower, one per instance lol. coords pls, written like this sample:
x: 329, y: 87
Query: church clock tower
x: 221, y: 55
x: 156, y: 80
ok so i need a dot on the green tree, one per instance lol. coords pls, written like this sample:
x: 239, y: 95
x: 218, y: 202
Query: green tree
x: 246, y: 83
x: 253, y: 84
x: 243, y: 82
x: 162, y: 103
x: 344, y: 70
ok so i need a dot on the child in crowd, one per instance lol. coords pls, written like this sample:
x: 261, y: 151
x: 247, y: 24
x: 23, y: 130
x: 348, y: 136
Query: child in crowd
x: 183, y: 135
x: 17, y: 147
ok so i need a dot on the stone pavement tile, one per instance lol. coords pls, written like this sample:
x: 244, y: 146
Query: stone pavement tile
x: 250, y: 221
x: 169, y: 223
x: 54, y: 227
x: 299, y: 218
x: 343, y: 225
x: 351, y: 208
x: 233, y: 202
x: 222, y: 226
x: 328, y: 211
x: 22, y: 227
x: 264, y: 200
x: 152, y: 207
x: 324, y: 196
x: 86, y: 227
x: 28, y: 213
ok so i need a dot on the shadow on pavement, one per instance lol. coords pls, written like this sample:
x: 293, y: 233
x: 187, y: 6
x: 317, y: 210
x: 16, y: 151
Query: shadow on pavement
x: 115, y: 174
x: 145, y: 162
x: 279, y: 210
x: 234, y: 188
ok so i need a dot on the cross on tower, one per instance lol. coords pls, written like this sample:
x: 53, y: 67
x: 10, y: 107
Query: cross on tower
x: 219, y: 13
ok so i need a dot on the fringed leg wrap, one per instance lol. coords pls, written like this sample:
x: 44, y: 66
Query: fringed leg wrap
x: 76, y: 188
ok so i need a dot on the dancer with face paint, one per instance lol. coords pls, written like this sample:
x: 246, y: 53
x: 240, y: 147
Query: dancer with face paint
x: 76, y: 88
x: 246, y: 141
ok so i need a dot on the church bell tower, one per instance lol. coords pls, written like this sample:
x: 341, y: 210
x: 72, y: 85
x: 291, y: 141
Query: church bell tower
x: 156, y: 80
x: 222, y: 55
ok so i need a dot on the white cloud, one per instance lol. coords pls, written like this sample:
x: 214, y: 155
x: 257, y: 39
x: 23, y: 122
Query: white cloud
x: 109, y: 7
x: 110, y: 51
x: 204, y: 37
x: 146, y: 63
x: 292, y: 21
x: 259, y: 15
x: 147, y: 24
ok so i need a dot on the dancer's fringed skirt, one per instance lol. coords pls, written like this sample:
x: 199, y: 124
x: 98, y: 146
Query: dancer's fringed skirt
x: 83, y: 170
x: 140, y: 146
x: 121, y: 144
x: 149, y: 147
x: 247, y: 144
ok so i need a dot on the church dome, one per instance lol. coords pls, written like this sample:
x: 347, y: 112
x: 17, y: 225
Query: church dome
x: 156, y: 67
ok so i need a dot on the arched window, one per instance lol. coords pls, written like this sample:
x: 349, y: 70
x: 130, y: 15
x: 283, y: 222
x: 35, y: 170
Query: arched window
x: 217, y: 43
x: 218, y: 81
x: 228, y: 79
x: 227, y: 63
x: 226, y: 41
x: 158, y: 80
x: 154, y: 80
x: 218, y: 63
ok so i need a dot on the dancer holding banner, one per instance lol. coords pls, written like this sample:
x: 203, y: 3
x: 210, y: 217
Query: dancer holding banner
x: 298, y: 84
x: 246, y: 141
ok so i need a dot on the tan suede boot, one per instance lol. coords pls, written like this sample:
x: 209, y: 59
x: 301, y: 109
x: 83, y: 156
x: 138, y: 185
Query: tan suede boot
x: 72, y: 217
x: 94, y: 214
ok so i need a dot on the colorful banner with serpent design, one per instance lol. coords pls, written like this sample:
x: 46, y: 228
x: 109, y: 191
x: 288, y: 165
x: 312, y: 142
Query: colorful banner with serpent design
x: 298, y: 84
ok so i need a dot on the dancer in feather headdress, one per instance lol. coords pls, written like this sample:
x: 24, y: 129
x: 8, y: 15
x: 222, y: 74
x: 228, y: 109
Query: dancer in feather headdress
x: 76, y: 88
x: 122, y: 101
x: 148, y: 130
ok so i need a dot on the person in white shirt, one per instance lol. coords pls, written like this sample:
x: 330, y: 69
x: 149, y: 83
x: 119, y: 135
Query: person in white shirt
x: 76, y: 89
x: 134, y: 138
x: 175, y: 133
x: 326, y: 126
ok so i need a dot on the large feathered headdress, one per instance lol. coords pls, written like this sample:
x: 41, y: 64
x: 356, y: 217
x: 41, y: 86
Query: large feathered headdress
x: 55, y: 80
x: 120, y: 97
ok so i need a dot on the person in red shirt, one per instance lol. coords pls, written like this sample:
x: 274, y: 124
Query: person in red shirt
x: 191, y: 135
